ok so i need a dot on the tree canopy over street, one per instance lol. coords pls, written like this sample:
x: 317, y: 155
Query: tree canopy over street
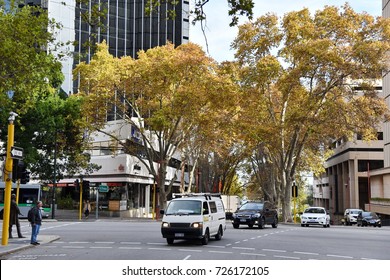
x: 300, y: 77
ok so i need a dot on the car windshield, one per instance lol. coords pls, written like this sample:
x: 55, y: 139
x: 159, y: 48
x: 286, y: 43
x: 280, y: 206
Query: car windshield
x: 252, y: 206
x: 315, y: 210
x: 355, y: 211
x: 370, y: 215
x: 184, y: 207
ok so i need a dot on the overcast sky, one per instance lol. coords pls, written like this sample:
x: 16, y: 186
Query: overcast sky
x: 220, y: 35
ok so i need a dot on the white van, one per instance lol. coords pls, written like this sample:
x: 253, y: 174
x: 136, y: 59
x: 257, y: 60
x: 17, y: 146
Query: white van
x: 193, y: 216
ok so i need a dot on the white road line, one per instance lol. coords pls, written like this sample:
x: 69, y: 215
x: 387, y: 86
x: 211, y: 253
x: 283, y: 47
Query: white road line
x: 186, y: 258
x: 130, y: 243
x: 130, y: 248
x: 253, y: 254
x: 99, y: 247
x: 190, y: 250
x: 220, y: 252
x: 245, y: 240
x: 286, y: 257
x: 161, y: 249
x: 243, y: 248
x: 338, y: 256
x: 305, y: 253
x: 272, y: 250
x: 214, y: 246
x: 156, y: 243
x: 78, y: 242
x: 104, y: 242
x: 73, y: 247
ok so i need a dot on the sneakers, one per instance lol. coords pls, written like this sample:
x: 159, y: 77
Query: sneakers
x: 35, y: 243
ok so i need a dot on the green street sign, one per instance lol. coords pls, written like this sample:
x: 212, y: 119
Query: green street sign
x: 103, y: 188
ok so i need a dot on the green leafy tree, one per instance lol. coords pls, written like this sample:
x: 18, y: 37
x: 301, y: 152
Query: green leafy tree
x: 168, y: 90
x: 296, y: 77
x: 27, y: 69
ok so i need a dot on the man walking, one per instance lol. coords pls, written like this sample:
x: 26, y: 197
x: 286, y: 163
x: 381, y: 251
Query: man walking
x: 14, y: 217
x: 36, y: 221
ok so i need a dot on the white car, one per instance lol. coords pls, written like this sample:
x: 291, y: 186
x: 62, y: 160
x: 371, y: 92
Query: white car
x: 315, y: 216
x: 350, y: 216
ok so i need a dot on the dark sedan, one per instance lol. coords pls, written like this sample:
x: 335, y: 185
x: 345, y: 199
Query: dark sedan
x: 368, y: 219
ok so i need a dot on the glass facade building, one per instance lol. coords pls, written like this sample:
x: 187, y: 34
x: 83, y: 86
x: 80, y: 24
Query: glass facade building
x: 123, y: 24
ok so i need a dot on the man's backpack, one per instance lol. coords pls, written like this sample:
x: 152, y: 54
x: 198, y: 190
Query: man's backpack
x: 30, y: 215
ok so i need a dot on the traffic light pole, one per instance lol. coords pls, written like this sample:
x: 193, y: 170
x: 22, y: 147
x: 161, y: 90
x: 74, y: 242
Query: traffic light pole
x: 8, y: 179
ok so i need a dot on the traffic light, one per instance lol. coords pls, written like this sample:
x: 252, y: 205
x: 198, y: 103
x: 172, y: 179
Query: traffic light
x: 77, y: 185
x: 19, y: 172
x: 86, y: 192
x: 294, y: 190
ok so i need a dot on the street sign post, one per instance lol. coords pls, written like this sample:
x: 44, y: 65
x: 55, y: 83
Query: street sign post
x: 16, y: 152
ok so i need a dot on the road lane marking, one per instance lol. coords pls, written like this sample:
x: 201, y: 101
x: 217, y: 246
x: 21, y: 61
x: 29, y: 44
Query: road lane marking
x: 156, y: 243
x: 214, y: 246
x: 190, y: 250
x: 220, y: 252
x: 243, y: 248
x: 78, y: 242
x: 73, y: 247
x: 99, y: 247
x: 161, y: 249
x: 339, y: 256
x: 305, y: 253
x: 186, y: 258
x: 273, y: 250
x: 287, y: 257
x: 130, y: 243
x: 104, y: 242
x: 130, y: 248
x: 253, y: 254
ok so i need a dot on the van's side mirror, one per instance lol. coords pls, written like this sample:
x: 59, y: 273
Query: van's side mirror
x: 162, y: 212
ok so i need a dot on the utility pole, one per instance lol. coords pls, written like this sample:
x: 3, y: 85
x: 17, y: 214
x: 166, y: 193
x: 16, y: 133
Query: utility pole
x: 8, y: 178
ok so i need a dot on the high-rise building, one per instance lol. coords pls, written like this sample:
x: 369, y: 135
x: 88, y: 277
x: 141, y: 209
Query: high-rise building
x: 123, y: 24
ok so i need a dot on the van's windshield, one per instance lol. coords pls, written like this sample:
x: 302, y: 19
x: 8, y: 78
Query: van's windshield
x: 184, y: 207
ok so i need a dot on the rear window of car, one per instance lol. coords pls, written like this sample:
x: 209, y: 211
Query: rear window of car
x: 252, y: 206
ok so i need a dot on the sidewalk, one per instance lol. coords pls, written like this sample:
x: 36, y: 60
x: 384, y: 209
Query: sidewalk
x: 17, y: 244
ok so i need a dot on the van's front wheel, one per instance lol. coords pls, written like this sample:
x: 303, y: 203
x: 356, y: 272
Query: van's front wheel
x: 206, y: 237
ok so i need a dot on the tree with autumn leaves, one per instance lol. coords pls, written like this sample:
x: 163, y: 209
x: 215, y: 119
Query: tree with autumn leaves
x: 290, y: 92
x: 172, y: 96
x: 299, y: 81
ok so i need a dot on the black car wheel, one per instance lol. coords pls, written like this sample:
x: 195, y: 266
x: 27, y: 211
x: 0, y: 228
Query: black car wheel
x: 236, y: 225
x: 218, y: 236
x: 170, y: 241
x: 261, y: 223
x: 206, y: 237
x: 275, y: 223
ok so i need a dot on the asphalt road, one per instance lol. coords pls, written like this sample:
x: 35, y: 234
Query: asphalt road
x: 142, y: 240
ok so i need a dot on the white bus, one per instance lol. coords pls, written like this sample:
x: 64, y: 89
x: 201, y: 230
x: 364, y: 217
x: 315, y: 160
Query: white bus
x: 29, y: 194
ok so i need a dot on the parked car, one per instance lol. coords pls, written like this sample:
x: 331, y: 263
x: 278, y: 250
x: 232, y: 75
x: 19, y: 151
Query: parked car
x: 315, y: 216
x: 258, y: 213
x: 350, y: 216
x: 368, y: 219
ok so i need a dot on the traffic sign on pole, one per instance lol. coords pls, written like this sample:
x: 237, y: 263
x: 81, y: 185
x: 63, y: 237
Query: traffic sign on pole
x: 16, y: 152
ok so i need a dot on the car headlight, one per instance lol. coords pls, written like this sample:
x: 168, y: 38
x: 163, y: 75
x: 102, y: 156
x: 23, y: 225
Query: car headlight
x: 303, y: 218
x: 234, y: 215
x: 165, y: 225
x: 257, y: 215
x: 197, y: 225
